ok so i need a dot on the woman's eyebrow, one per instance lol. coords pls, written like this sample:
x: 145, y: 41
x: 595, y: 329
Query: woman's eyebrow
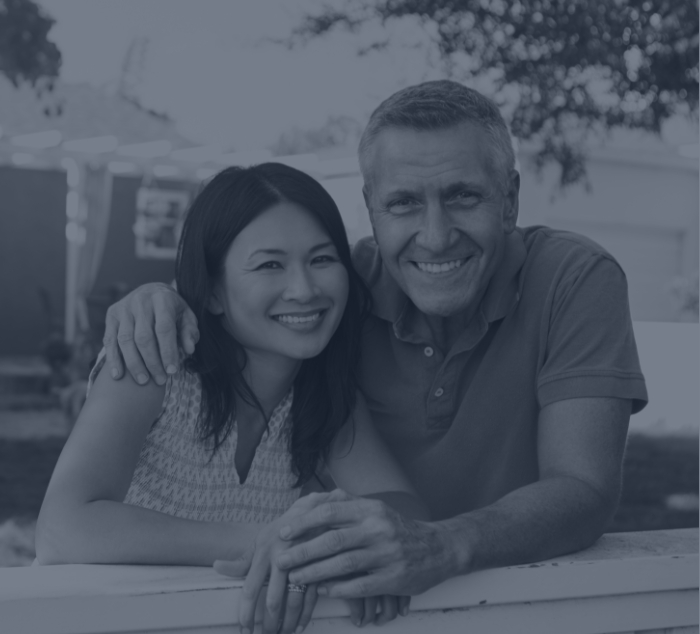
x: 267, y: 252
x: 314, y: 249
x: 320, y: 247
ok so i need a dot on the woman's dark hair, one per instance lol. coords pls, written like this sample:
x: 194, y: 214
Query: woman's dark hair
x: 325, y: 386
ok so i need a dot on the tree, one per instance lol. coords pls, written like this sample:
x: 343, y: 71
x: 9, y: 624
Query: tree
x: 26, y: 53
x: 562, y: 69
x: 337, y: 130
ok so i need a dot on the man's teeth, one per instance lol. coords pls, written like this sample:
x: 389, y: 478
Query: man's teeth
x: 430, y: 267
x: 293, y: 319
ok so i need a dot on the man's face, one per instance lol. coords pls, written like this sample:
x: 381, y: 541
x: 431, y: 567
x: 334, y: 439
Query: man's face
x: 439, y: 213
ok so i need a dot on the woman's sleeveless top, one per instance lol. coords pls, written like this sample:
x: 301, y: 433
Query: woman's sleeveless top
x: 176, y: 473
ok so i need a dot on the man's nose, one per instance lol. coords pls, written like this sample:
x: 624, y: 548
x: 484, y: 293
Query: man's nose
x: 436, y: 233
x: 300, y: 285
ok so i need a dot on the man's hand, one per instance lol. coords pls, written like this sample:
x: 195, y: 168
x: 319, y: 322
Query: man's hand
x: 383, y: 552
x: 144, y: 328
x: 284, y: 611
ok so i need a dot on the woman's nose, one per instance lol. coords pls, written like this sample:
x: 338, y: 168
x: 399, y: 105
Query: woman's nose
x: 300, y: 286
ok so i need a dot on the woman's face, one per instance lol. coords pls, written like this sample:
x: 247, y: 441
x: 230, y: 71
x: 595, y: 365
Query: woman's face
x: 283, y: 289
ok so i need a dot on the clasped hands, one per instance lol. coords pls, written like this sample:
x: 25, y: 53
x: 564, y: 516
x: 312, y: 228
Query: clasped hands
x: 339, y: 546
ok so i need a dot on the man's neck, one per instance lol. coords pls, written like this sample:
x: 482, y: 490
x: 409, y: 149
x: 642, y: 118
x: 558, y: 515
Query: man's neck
x: 446, y: 330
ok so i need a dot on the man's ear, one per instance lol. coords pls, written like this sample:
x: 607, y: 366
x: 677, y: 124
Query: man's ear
x: 366, y: 196
x: 510, y: 210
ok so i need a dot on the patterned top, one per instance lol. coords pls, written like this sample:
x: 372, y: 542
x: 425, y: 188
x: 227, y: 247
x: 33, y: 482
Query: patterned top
x: 174, y: 474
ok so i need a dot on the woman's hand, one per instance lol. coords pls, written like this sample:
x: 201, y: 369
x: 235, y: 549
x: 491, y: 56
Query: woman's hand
x: 287, y: 608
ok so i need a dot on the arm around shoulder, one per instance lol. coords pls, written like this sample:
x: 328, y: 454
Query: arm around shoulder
x: 83, y: 518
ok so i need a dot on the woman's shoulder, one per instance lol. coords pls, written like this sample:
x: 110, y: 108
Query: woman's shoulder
x: 181, y: 388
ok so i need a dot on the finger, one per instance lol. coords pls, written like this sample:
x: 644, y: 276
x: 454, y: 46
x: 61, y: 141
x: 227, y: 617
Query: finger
x: 250, y: 593
x: 309, y: 604
x: 166, y: 332
x: 114, y: 357
x: 127, y: 347
x: 348, y: 563
x: 292, y: 611
x: 274, y: 602
x: 357, y: 611
x: 389, y: 609
x: 370, y: 610
x: 360, y: 586
x: 146, y: 340
x: 237, y: 568
x: 325, y: 545
x: 331, y: 509
x: 188, y: 332
x: 404, y: 605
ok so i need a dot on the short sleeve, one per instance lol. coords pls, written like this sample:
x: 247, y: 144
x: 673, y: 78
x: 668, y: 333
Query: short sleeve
x: 591, y: 350
x: 99, y: 364
x: 102, y: 359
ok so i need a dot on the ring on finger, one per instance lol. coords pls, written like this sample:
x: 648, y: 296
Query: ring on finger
x: 296, y: 587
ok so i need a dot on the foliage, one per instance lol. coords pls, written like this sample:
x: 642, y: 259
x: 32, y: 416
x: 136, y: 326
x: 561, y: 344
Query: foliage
x: 337, y: 130
x: 26, y: 53
x: 561, y: 69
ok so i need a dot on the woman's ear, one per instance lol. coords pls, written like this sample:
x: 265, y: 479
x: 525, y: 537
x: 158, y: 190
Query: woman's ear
x: 214, y: 306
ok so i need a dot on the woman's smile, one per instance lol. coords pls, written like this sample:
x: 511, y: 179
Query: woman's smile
x: 301, y: 321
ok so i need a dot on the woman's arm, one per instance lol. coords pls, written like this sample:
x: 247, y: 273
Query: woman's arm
x: 361, y: 464
x: 83, y: 518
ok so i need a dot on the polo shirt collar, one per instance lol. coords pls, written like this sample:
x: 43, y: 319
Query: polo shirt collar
x: 502, y: 294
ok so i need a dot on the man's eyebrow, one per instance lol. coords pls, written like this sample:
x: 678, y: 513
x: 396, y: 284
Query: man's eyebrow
x: 399, y: 193
x: 461, y: 185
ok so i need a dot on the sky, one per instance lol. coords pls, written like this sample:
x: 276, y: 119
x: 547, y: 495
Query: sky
x: 211, y: 64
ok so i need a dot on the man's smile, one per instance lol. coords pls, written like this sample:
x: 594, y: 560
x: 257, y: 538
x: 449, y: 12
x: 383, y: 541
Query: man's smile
x: 437, y: 268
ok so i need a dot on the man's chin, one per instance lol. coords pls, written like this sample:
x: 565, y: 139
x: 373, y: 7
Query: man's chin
x: 441, y: 307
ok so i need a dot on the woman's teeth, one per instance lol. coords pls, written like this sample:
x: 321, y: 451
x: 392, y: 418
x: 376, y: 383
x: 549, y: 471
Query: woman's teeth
x: 292, y: 319
x: 430, y: 267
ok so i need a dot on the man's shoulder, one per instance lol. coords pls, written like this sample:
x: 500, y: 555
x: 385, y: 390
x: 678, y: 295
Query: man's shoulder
x: 557, y: 249
x: 367, y: 260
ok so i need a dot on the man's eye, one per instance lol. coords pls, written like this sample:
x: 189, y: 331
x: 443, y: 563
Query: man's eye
x: 400, y: 204
x: 465, y: 196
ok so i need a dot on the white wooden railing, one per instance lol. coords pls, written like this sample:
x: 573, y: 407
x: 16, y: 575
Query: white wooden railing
x: 627, y: 582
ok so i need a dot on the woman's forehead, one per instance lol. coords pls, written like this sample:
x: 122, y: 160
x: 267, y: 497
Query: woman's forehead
x: 284, y: 228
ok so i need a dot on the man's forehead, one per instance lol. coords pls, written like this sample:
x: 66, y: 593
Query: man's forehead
x: 407, y: 158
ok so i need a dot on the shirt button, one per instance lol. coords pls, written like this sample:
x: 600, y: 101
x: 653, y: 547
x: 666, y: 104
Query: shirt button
x: 429, y: 352
x: 439, y: 392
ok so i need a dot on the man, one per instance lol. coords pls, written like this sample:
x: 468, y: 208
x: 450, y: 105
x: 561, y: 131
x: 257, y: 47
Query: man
x: 499, y: 363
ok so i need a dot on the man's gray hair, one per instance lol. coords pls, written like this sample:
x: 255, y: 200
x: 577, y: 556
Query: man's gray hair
x: 436, y: 105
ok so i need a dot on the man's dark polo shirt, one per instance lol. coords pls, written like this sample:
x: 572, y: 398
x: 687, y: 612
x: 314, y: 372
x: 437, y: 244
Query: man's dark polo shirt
x: 554, y: 324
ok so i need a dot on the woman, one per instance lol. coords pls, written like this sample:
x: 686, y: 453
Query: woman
x: 209, y: 466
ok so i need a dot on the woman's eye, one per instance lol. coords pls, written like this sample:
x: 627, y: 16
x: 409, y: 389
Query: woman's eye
x: 269, y: 265
x: 323, y: 259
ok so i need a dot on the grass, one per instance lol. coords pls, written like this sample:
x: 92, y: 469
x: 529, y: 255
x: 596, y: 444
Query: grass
x: 656, y: 468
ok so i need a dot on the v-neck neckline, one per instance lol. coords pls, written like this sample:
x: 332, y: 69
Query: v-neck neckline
x: 272, y: 425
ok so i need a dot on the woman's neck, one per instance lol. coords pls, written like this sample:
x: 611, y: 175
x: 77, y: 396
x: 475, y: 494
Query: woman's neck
x: 270, y: 378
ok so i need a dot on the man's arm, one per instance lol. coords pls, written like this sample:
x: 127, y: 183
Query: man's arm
x: 580, y: 449
x: 143, y: 330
